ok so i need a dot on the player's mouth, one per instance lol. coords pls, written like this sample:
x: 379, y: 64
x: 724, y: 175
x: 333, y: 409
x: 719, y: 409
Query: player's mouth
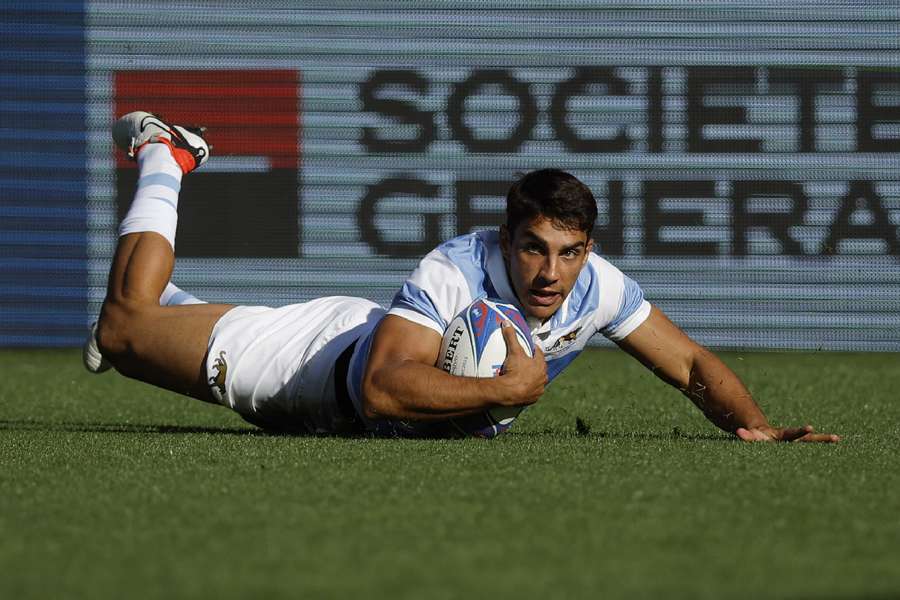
x: 543, y: 297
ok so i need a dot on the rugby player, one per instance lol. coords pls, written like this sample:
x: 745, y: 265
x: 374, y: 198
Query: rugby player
x: 346, y: 365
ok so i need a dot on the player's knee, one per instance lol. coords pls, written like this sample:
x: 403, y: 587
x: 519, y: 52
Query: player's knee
x: 115, y: 332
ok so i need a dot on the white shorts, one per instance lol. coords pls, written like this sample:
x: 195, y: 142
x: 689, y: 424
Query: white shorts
x: 275, y: 366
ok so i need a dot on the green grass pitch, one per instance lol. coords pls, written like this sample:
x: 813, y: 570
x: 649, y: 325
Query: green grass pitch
x: 110, y: 488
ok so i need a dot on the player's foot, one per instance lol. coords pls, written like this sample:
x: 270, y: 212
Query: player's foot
x: 90, y: 353
x: 136, y: 129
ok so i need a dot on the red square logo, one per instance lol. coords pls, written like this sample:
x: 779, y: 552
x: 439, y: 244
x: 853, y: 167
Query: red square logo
x: 244, y: 201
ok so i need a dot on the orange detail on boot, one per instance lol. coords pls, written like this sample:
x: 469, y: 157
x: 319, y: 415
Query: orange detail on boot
x: 184, y: 158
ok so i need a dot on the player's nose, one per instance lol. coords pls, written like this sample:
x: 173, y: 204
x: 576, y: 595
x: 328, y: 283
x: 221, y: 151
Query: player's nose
x: 549, y: 269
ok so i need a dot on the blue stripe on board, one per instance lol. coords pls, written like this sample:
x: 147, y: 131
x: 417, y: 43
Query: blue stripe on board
x: 44, y: 55
x: 22, y: 319
x: 40, y: 80
x: 73, y: 279
x: 29, y: 211
x: 30, y: 340
x: 71, y: 188
x: 14, y: 31
x: 38, y: 291
x: 52, y: 104
x: 38, y: 223
x: 22, y: 86
x: 46, y: 120
x: 60, y: 11
x: 10, y: 277
x: 68, y: 251
x: 43, y: 174
x: 48, y: 161
x: 8, y: 265
x: 40, y: 237
x: 55, y: 136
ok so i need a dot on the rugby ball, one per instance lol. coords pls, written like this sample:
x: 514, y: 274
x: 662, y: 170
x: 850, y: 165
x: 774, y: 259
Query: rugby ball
x: 473, y: 346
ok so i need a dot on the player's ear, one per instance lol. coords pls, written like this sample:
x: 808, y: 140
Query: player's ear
x: 588, y: 247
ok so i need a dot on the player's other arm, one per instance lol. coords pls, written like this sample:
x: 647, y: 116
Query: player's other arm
x: 701, y: 376
x: 401, y: 380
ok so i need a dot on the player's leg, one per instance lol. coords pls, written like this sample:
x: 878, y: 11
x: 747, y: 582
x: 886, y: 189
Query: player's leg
x: 91, y: 357
x: 162, y: 345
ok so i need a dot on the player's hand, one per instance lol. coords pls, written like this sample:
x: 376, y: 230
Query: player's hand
x: 525, y: 376
x: 784, y: 434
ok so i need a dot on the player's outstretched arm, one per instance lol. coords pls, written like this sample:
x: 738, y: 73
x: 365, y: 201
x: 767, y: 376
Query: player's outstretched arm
x: 401, y: 381
x: 701, y: 376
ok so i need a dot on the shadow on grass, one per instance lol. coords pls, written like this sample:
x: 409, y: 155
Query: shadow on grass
x: 76, y: 427
x: 631, y: 435
x: 671, y: 435
x: 690, y: 437
x: 84, y: 427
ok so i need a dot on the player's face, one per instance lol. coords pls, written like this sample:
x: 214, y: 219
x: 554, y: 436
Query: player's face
x: 544, y: 260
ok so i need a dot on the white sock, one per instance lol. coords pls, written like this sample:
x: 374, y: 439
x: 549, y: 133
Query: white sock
x: 175, y: 296
x: 155, y: 205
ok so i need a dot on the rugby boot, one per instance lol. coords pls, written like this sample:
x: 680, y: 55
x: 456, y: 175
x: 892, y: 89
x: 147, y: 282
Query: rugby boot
x: 137, y: 129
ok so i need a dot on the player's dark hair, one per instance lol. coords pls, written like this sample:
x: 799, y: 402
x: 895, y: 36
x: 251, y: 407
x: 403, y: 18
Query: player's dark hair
x: 553, y: 194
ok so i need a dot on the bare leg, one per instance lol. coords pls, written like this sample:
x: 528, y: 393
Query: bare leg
x: 162, y: 345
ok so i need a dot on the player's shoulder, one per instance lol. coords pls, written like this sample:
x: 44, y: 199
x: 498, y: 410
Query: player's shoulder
x: 599, y: 291
x: 473, y: 261
x: 470, y: 248
x: 601, y: 275
x: 463, y: 260
x: 621, y: 306
x: 446, y: 280
x: 470, y: 255
x: 600, y: 266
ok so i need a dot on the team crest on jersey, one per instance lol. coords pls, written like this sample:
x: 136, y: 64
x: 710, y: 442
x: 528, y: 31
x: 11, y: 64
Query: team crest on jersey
x: 217, y: 382
x: 565, y: 341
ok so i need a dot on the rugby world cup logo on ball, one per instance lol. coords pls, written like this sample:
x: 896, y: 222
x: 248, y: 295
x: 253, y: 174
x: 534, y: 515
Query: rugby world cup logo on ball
x: 473, y: 346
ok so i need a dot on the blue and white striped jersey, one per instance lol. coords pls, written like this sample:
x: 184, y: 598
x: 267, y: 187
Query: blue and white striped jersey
x: 466, y: 268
